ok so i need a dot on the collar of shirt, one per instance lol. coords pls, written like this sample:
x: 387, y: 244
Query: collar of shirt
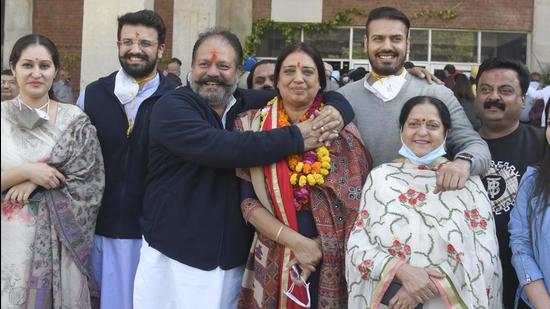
x: 232, y: 102
x: 387, y: 87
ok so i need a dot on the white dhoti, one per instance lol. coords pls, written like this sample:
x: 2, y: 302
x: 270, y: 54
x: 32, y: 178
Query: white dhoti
x: 164, y: 283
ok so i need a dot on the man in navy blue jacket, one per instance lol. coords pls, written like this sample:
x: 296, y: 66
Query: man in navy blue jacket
x: 119, y: 106
x: 196, y: 240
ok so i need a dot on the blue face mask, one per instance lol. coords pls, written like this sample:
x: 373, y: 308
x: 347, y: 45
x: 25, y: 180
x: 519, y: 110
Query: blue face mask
x: 426, y: 159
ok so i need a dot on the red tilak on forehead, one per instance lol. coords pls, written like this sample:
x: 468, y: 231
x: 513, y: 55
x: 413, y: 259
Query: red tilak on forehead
x: 137, y: 35
x: 423, y: 120
x: 298, y: 64
x: 214, y: 56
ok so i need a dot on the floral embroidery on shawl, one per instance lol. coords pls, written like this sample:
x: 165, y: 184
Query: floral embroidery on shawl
x: 440, y: 234
x: 67, y: 215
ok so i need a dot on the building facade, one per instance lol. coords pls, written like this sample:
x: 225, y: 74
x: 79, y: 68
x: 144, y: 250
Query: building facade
x: 460, y: 32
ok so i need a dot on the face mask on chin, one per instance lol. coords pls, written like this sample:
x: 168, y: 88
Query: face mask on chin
x: 426, y: 159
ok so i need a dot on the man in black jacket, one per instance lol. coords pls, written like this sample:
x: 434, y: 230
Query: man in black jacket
x: 119, y: 106
x: 196, y: 240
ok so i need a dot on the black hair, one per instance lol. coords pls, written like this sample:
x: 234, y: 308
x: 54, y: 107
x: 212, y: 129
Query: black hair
x: 310, y: 51
x: 250, y: 78
x: 146, y: 18
x: 35, y: 39
x: 408, y: 65
x: 227, y: 36
x: 449, y: 68
x: 462, y: 87
x: 7, y: 72
x: 442, y: 110
x: 505, y: 63
x: 175, y: 60
x: 386, y: 12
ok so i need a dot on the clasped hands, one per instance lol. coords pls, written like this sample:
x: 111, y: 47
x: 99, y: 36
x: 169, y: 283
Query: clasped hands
x: 37, y: 174
x: 417, y: 287
x: 321, y: 129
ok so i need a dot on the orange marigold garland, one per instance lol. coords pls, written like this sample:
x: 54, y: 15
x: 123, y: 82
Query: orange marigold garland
x: 309, y: 169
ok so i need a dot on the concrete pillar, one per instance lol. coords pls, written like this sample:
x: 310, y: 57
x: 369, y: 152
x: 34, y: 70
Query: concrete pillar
x: 236, y: 16
x: 192, y: 17
x: 17, y: 23
x: 99, y: 36
x: 540, y: 42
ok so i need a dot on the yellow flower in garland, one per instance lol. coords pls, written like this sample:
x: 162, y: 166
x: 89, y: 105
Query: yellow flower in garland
x: 303, y: 180
x: 294, y: 179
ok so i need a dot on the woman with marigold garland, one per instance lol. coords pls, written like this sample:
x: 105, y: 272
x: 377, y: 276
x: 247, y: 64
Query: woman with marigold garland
x: 411, y: 246
x: 303, y: 208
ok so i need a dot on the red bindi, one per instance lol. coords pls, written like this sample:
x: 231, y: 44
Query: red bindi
x: 423, y: 120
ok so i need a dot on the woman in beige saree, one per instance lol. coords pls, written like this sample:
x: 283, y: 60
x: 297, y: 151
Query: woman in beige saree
x: 52, y: 184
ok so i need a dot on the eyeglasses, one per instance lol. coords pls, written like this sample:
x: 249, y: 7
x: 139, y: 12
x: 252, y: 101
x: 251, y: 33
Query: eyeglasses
x: 140, y: 43
x: 8, y: 83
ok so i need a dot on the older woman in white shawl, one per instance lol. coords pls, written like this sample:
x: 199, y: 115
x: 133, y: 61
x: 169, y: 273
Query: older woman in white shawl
x: 411, y: 247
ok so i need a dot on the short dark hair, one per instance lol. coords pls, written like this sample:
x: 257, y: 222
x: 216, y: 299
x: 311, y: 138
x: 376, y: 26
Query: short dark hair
x: 7, y: 72
x: 310, y: 51
x: 175, y: 60
x: 35, y: 39
x: 506, y: 63
x: 146, y: 18
x: 462, y: 87
x: 250, y: 77
x: 228, y: 36
x: 386, y: 12
x: 442, y: 110
x: 449, y: 68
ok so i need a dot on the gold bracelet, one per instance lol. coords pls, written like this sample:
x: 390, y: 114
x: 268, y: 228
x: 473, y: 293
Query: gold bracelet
x: 279, y: 233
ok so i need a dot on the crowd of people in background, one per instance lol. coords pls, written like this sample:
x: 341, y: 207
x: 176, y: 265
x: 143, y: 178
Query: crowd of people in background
x: 274, y: 183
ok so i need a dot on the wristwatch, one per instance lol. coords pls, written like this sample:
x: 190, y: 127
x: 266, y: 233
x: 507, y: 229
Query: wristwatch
x: 466, y: 156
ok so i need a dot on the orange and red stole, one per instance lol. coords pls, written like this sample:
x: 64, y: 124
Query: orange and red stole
x: 282, y: 198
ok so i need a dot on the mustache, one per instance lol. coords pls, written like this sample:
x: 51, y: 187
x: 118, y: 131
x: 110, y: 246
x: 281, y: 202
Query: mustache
x: 494, y: 103
x: 140, y: 56
x: 217, y: 80
x: 387, y: 52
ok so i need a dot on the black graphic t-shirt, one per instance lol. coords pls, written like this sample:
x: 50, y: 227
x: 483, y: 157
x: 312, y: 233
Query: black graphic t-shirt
x: 511, y: 155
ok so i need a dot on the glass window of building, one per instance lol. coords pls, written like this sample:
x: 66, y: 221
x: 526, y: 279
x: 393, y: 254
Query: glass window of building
x: 333, y: 44
x: 454, y: 46
x: 359, y: 44
x: 273, y: 42
x: 509, y: 45
x: 419, y: 45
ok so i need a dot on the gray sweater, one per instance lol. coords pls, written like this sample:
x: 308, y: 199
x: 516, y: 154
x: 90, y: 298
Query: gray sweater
x: 378, y: 121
